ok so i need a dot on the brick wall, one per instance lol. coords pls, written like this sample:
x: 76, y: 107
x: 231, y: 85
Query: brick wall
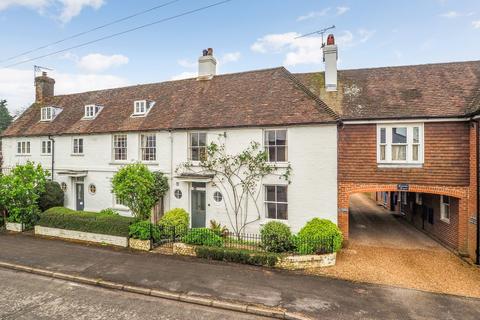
x: 446, y: 156
x: 446, y: 232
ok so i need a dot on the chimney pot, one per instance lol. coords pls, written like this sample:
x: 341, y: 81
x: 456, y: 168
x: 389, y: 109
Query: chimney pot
x: 44, y: 87
x: 207, y: 65
x: 330, y: 56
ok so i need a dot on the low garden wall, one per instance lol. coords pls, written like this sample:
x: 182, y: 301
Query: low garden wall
x: 283, y: 261
x: 83, y: 236
x: 15, y: 227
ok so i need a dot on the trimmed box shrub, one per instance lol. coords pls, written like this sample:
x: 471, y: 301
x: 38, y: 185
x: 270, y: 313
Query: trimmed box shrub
x: 276, y: 237
x: 318, y: 236
x: 202, y: 237
x: 144, y: 230
x: 64, y: 218
x: 53, y: 196
x: 238, y: 256
x: 174, y: 222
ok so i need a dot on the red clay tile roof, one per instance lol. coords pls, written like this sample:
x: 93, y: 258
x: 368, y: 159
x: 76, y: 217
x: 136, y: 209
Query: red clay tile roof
x: 256, y: 98
x: 432, y: 90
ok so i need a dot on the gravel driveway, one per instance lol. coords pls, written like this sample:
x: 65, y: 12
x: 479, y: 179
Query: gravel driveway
x: 384, y: 249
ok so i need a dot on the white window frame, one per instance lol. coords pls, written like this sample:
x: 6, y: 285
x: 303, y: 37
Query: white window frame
x: 418, y: 198
x: 140, y: 107
x: 46, y: 147
x: 266, y: 145
x: 23, y: 148
x: 117, y: 204
x: 145, y: 148
x: 445, y: 209
x: 116, y: 146
x: 276, y: 202
x: 91, y: 111
x: 47, y: 113
x: 199, y: 147
x: 409, y: 150
x: 76, y: 146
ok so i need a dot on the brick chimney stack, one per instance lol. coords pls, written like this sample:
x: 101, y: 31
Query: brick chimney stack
x: 44, y: 87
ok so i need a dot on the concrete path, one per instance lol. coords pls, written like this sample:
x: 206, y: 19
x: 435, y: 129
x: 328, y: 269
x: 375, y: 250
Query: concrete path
x: 384, y: 249
x: 36, y: 297
x: 317, y: 297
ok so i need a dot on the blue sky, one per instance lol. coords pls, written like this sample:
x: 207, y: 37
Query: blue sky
x: 245, y: 35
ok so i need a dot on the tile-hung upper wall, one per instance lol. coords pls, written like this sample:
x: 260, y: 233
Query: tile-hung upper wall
x: 446, y: 153
x: 312, y: 152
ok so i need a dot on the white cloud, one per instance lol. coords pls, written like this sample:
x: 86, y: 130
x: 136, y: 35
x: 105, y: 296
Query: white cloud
x: 32, y: 4
x: 16, y: 85
x: 342, y: 10
x: 476, y: 24
x: 455, y: 14
x: 96, y: 62
x: 365, y: 35
x: 184, y: 75
x: 314, y: 14
x: 230, y: 57
x: 306, y: 50
x: 72, y: 8
x: 67, y: 8
x: 186, y: 63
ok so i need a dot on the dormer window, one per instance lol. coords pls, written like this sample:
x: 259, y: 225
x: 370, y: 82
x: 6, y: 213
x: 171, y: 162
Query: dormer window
x: 91, y: 111
x: 47, y: 114
x: 142, y: 107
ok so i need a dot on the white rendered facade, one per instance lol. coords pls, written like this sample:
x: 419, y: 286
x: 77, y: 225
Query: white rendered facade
x: 312, y: 153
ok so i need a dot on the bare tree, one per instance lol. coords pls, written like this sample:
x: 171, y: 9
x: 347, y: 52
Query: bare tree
x: 239, y: 176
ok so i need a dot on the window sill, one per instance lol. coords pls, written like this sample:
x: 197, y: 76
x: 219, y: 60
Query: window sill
x: 283, y: 164
x: 46, y: 154
x: 399, y: 165
x: 447, y: 221
x: 23, y: 155
x: 153, y: 162
x: 119, y: 162
x: 77, y: 154
x: 267, y: 220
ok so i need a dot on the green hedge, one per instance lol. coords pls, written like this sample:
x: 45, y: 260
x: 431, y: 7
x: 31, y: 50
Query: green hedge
x: 203, y: 237
x: 238, y: 256
x: 64, y: 218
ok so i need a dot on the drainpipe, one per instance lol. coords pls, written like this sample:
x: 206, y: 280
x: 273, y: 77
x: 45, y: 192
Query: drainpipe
x: 171, y: 169
x: 53, y: 154
x: 478, y: 192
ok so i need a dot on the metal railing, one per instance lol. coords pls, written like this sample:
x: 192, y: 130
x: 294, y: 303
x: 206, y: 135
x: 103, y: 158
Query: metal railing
x: 243, y: 241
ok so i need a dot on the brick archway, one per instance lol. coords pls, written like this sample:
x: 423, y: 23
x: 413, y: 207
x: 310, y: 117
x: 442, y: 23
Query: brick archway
x: 346, y: 189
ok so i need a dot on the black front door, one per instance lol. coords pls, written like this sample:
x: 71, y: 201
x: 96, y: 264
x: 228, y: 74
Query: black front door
x: 80, y: 196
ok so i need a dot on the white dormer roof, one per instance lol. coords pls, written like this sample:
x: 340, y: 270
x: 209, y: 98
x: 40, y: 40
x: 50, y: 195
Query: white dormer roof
x: 49, y: 113
x: 142, y: 107
x: 91, y: 111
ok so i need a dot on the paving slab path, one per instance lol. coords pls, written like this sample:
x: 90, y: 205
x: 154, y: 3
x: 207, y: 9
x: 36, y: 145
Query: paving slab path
x: 386, y: 249
x: 316, y: 297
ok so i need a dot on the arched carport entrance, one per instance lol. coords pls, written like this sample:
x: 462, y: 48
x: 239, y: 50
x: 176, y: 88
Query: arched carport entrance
x: 459, y: 194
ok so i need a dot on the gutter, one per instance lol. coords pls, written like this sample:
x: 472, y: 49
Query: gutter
x: 53, y: 154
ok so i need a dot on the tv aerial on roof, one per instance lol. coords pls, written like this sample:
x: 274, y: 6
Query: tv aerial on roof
x: 320, y: 32
x: 38, y: 70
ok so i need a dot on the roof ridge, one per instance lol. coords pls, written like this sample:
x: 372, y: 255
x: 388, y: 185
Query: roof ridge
x: 400, y: 66
x: 167, y: 81
x: 312, y: 95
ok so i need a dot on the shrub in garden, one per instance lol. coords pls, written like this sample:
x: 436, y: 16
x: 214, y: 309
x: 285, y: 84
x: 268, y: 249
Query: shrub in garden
x: 134, y: 184
x: 64, y: 218
x: 109, y: 212
x: 144, y: 230
x: 238, y: 256
x: 319, y: 236
x: 174, y: 221
x: 202, y: 237
x: 217, y: 227
x: 276, y: 237
x: 20, y: 190
x: 53, y: 196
